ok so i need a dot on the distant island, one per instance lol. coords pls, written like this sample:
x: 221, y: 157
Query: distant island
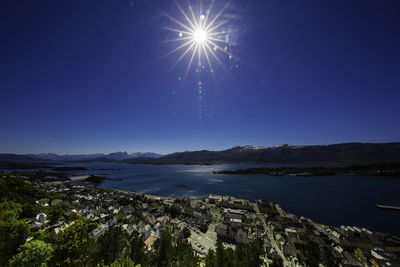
x: 65, y: 169
x: 380, y: 169
x: 11, y: 165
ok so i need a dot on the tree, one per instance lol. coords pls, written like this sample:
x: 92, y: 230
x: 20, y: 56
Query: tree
x: 174, y: 211
x: 111, y: 244
x: 211, y: 259
x: 360, y: 255
x: 72, y: 245
x: 224, y: 256
x: 327, y: 257
x: 184, y: 255
x: 311, y: 254
x: 13, y: 231
x: 163, y: 250
x: 276, y: 262
x: 124, y: 201
x: 249, y: 254
x: 17, y: 204
x: 126, y: 262
x: 245, y: 255
x: 56, y: 213
x: 33, y: 254
x: 186, y: 232
x: 138, y: 249
x: 10, y: 211
x: 166, y: 254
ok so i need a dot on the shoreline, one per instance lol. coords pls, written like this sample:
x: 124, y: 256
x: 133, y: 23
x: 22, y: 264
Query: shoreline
x: 234, y: 221
x: 171, y: 193
x: 166, y: 198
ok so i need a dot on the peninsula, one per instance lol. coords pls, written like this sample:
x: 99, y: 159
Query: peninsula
x: 379, y: 169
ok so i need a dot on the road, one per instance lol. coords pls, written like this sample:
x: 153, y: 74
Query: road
x: 271, y: 237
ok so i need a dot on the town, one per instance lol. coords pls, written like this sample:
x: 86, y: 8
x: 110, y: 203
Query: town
x: 234, y: 221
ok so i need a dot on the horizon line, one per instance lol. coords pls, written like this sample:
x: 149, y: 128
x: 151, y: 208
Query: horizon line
x: 182, y: 151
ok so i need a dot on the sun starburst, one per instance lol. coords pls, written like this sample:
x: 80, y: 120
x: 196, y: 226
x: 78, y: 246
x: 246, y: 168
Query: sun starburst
x: 201, y: 35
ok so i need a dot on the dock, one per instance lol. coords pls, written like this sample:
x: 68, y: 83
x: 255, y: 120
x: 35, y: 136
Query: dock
x: 388, y: 207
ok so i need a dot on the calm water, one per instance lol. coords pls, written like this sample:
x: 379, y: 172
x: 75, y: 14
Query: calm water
x: 333, y: 200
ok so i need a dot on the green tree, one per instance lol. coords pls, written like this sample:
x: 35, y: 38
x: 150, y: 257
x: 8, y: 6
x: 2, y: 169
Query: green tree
x: 311, y: 254
x: 111, y: 244
x: 163, y: 250
x: 249, y: 254
x: 17, y: 205
x: 224, y: 256
x: 13, y: 231
x: 360, y: 255
x: 167, y: 254
x: 327, y: 257
x: 245, y: 255
x: 10, y: 211
x: 56, y: 213
x: 184, y: 254
x: 174, y: 211
x: 125, y: 262
x: 124, y: 201
x: 211, y: 259
x: 138, y: 249
x: 33, y: 254
x: 73, y: 246
x: 43, y: 236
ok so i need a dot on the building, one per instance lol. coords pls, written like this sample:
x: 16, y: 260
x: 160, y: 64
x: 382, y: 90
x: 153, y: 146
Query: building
x: 99, y: 231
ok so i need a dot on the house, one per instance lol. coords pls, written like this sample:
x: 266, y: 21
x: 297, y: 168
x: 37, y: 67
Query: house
x: 157, y: 226
x: 146, y: 231
x: 71, y: 215
x: 127, y: 209
x: 35, y: 226
x: 161, y: 220
x: 129, y: 228
x: 41, y: 218
x: 151, y: 219
x: 99, y: 231
x: 221, y: 230
x: 241, y: 237
x: 150, y: 241
x: 212, y: 199
x: 55, y: 202
x: 44, y: 202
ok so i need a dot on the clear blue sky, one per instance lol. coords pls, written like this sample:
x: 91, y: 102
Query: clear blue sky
x: 90, y: 76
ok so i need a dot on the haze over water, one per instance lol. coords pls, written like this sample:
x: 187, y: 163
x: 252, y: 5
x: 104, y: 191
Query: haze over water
x: 334, y: 200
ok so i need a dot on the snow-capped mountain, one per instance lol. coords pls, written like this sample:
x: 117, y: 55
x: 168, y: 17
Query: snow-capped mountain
x: 123, y: 155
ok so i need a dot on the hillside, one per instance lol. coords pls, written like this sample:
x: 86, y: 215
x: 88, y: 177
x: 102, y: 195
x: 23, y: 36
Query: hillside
x: 346, y: 153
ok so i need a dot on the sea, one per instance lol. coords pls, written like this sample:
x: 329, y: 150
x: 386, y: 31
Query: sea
x: 333, y: 200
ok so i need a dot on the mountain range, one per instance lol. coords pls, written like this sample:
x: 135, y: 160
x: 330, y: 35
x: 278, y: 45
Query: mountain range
x: 115, y: 156
x: 345, y: 153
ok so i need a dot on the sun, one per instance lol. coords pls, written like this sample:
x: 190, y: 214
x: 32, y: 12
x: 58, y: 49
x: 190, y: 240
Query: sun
x: 200, y: 34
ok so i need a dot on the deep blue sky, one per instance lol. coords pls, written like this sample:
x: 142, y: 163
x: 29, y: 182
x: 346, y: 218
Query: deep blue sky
x: 88, y: 76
